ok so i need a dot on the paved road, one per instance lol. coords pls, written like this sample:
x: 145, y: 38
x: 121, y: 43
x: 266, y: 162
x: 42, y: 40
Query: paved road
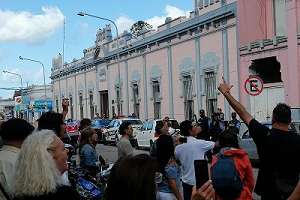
x: 110, y: 153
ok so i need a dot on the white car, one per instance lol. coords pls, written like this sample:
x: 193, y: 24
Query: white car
x: 112, y: 135
x: 146, y: 134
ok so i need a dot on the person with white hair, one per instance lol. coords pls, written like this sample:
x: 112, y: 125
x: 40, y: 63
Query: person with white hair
x: 42, y: 161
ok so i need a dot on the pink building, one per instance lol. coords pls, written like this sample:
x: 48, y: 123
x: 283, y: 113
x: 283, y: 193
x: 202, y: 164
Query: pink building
x: 269, y: 38
x: 173, y: 71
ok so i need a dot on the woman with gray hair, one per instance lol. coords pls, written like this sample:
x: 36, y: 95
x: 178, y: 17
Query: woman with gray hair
x: 42, y: 161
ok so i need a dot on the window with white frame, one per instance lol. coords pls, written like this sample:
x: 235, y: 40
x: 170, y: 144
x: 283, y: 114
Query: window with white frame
x: 136, y: 103
x: 156, y: 99
x: 81, y: 105
x: 91, y: 99
x: 211, y: 93
x: 188, y: 97
x: 280, y: 17
x: 71, y: 107
x: 119, y: 104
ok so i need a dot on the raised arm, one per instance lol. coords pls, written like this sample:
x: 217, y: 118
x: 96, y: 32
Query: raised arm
x: 65, y: 107
x: 225, y: 88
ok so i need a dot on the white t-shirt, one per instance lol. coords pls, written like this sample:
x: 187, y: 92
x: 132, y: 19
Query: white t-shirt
x: 8, y: 159
x: 186, y: 153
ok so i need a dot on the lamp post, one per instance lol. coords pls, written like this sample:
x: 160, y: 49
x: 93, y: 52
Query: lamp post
x: 36, y: 61
x: 82, y: 14
x: 18, y: 75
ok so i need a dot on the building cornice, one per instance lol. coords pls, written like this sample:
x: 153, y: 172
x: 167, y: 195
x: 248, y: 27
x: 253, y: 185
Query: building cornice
x: 194, y: 25
x: 278, y: 42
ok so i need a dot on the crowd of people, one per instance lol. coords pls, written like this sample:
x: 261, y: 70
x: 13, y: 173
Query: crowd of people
x: 33, y: 162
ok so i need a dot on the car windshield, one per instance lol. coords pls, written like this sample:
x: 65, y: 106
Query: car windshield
x: 102, y: 122
x: 174, y: 124
x: 111, y: 124
x: 134, y: 122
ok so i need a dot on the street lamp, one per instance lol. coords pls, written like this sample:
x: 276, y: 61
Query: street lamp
x: 22, y: 58
x: 82, y: 14
x: 18, y: 75
x: 8, y: 72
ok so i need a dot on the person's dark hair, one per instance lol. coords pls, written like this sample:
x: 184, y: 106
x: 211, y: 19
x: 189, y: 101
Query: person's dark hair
x: 165, y: 151
x: 123, y: 127
x: 132, y: 177
x: 51, y: 121
x: 86, y: 135
x: 185, y: 127
x: 282, y: 113
x: 229, y: 139
x: 15, y: 130
x: 158, y: 128
x: 84, y: 123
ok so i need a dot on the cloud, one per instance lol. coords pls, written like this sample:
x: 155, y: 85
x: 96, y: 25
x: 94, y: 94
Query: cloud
x: 125, y: 22
x: 29, y: 28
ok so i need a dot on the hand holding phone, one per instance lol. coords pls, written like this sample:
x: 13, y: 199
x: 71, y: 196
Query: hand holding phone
x: 201, y: 172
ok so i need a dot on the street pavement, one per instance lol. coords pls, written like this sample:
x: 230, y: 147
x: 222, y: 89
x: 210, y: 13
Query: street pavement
x: 110, y: 154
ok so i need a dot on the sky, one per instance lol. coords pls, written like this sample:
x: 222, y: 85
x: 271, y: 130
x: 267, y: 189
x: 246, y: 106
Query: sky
x: 34, y: 29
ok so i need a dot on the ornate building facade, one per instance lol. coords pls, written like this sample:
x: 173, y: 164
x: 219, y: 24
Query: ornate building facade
x: 172, y: 71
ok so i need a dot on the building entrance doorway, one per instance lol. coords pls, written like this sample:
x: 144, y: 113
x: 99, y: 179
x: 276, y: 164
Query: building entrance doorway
x: 104, y: 107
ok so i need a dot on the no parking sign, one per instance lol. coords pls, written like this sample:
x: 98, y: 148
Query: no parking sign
x: 254, y: 85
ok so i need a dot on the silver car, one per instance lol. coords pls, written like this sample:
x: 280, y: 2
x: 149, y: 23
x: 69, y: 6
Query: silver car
x: 247, y: 143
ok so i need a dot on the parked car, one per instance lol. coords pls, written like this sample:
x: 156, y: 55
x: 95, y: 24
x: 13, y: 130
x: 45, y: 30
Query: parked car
x: 246, y: 142
x: 112, y: 133
x: 100, y: 125
x: 146, y: 135
x: 72, y: 126
x: 72, y: 134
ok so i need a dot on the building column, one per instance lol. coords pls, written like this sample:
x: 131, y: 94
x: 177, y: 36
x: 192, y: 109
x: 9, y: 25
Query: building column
x: 97, y: 91
x: 109, y: 92
x: 226, y: 69
x: 293, y: 68
x: 75, y: 99
x: 145, y: 86
x: 198, y: 75
x: 127, y: 88
x: 86, y: 95
x: 170, y: 76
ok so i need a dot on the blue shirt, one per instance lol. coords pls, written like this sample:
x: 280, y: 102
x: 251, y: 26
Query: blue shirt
x: 172, y: 172
x: 88, y: 156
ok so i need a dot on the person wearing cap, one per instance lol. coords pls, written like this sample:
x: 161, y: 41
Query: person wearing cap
x: 13, y: 132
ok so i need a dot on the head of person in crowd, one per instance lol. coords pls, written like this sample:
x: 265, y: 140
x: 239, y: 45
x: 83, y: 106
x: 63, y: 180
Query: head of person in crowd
x: 41, y: 163
x: 125, y: 129
x: 160, y: 129
x: 215, y: 116
x: 84, y: 123
x: 132, y: 177
x: 282, y: 116
x: 202, y: 113
x: 88, y: 136
x: 52, y: 121
x: 233, y: 115
x: 165, y: 151
x: 188, y: 129
x: 14, y: 131
x: 229, y: 139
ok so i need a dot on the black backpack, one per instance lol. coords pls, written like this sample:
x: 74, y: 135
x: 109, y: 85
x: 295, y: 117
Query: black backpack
x: 226, y: 179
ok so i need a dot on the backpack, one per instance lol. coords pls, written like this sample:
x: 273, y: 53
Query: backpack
x: 225, y: 178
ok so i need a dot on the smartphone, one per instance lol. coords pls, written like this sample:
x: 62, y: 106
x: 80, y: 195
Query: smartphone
x: 201, y: 172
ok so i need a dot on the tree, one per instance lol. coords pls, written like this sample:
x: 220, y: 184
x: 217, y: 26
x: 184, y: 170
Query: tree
x: 140, y: 27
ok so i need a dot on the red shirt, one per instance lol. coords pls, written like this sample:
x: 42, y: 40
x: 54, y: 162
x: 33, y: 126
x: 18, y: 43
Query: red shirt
x: 243, y: 165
